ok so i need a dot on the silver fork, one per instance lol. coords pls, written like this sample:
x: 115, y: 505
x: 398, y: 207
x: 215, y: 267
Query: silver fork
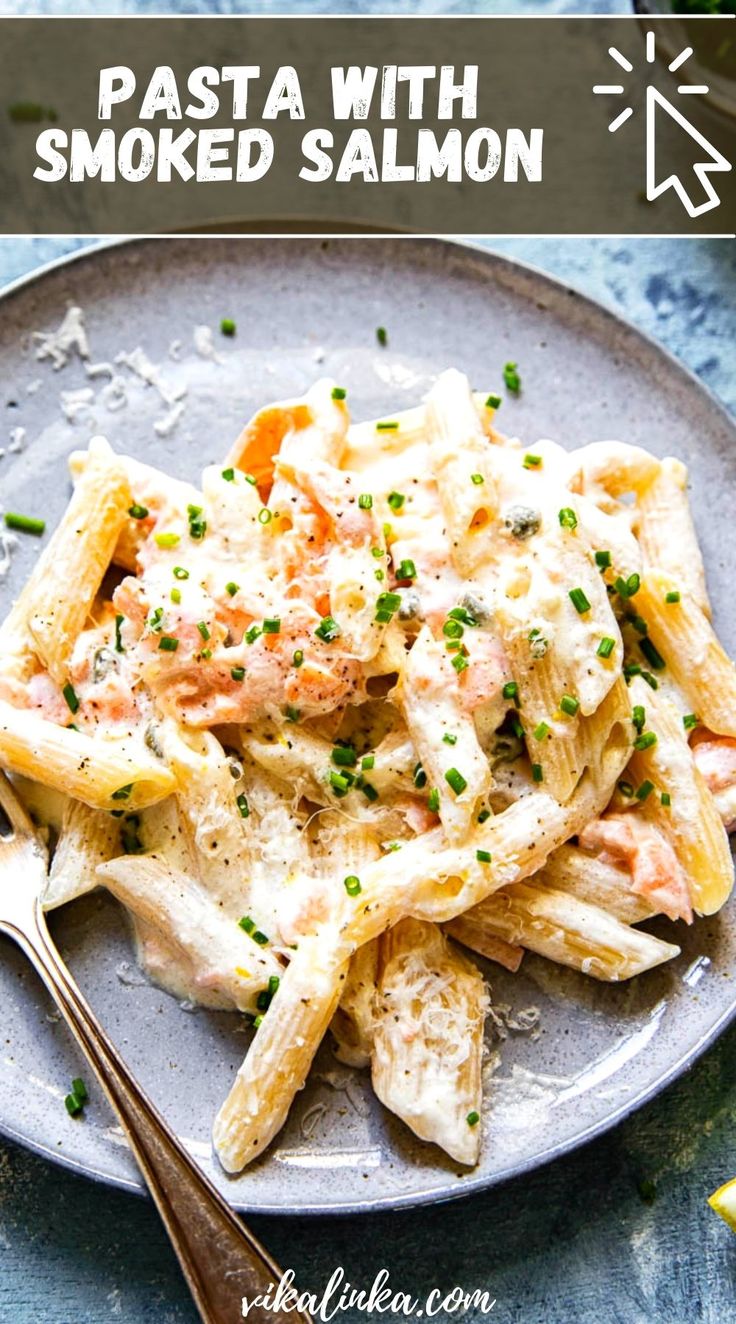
x: 221, y: 1260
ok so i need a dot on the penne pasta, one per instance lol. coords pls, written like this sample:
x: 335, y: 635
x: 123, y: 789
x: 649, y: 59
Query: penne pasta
x: 690, y: 651
x: 78, y: 554
x: 109, y: 774
x: 564, y: 929
x: 88, y: 837
x: 664, y: 528
x: 690, y: 819
x: 428, y: 1038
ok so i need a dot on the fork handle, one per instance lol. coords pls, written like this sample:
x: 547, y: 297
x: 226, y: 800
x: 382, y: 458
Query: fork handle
x: 221, y: 1260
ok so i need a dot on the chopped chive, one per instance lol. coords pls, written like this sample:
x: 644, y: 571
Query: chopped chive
x: 477, y: 479
x: 237, y: 673
x: 665, y: 799
x: 652, y: 655
x: 166, y: 539
x: 463, y: 615
x: 455, y: 780
x: 254, y: 632
x: 273, y: 985
x: 291, y: 713
x: 651, y: 681
x: 388, y: 425
x: 540, y: 731
x: 388, y: 602
x: 517, y: 728
x: 460, y: 663
x: 511, y: 378
x: 71, y: 698
x: 243, y: 806
x: 638, y: 716
x: 568, y: 518
x: 453, y: 630
x: 511, y: 691
x: 382, y: 616
x: 606, y: 646
x: 73, y: 1104
x: 180, y: 573
x: 24, y: 523
x: 122, y: 793
x: 228, y: 475
x: 250, y: 479
x: 626, y: 789
x: 672, y: 596
x: 352, y: 884
x: 203, y: 629
x: 532, y: 461
x: 406, y: 570
x: 537, y: 773
x: 473, y: 1118
x: 369, y: 792
x: 493, y: 402
x: 168, y: 644
x: 175, y: 596
x: 379, y: 575
x: 155, y: 620
x: 627, y: 588
x: 483, y: 856
x: 118, y: 637
x: 569, y: 705
x: 365, y: 501
x: 340, y: 783
x: 603, y: 560
x: 80, y: 1089
x: 644, y: 791
x: 138, y: 512
x: 328, y: 629
x: 381, y: 335
x: 396, y: 500
x: 377, y: 552
x: 247, y: 924
x: 204, y: 655
x: 579, y: 601
x: 484, y: 815
x: 338, y: 392
x: 433, y: 800
x: 197, y: 524
x: 689, y: 721
x: 645, y: 741
x: 260, y: 938
x: 232, y: 588
x: 419, y: 777
x: 272, y: 625
x: 227, y: 326
x: 264, y: 515
x: 449, y: 738
x: 344, y: 756
x: 638, y: 622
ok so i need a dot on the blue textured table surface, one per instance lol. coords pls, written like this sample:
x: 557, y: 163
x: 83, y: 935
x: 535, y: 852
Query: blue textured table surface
x: 575, y: 1242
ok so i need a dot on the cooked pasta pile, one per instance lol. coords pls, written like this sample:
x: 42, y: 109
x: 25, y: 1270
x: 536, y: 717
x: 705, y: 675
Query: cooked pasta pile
x: 375, y: 693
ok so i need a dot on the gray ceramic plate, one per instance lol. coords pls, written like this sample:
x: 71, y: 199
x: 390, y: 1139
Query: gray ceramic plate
x: 306, y: 307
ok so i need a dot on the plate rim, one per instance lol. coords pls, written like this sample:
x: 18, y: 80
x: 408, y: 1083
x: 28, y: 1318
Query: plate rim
x: 469, y: 1185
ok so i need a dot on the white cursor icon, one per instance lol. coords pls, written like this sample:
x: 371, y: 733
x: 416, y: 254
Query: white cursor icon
x: 658, y: 106
x: 714, y: 160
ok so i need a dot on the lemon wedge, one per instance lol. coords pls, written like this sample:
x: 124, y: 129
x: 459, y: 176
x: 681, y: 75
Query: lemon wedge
x: 724, y: 1202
